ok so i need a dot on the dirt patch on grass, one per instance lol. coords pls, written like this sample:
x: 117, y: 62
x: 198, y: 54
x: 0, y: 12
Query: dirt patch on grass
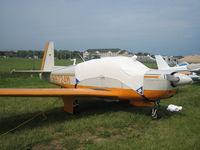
x: 42, y: 147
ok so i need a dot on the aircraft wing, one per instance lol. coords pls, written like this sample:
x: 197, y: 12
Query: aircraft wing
x: 68, y: 94
x: 56, y: 92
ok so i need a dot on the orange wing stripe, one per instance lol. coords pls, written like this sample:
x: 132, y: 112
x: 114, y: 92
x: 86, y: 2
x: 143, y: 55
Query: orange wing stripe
x: 110, y: 93
x: 55, y: 92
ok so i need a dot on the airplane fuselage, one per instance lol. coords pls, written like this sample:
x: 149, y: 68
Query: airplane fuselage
x: 116, y: 74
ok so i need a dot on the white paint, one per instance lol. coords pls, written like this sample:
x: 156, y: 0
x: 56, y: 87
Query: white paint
x: 49, y: 58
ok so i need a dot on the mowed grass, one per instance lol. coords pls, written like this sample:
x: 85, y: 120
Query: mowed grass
x: 100, y: 126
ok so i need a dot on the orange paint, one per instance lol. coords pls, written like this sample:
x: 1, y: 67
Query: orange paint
x: 156, y: 95
x: 131, y: 94
x: 68, y: 104
x: 151, y: 76
x: 55, y: 92
x: 122, y: 93
x: 186, y: 73
x: 44, y: 56
x: 141, y: 103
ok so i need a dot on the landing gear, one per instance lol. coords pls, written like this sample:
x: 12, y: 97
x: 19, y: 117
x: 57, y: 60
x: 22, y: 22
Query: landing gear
x: 71, y: 105
x: 76, y: 107
x: 154, y: 112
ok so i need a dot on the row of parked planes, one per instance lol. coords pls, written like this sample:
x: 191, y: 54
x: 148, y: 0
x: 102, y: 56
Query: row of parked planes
x: 114, y: 78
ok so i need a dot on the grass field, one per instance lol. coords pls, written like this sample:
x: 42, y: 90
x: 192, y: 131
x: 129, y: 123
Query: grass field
x: 100, y: 126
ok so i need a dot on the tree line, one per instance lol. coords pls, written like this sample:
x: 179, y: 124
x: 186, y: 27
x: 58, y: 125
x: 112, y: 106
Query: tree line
x: 58, y: 54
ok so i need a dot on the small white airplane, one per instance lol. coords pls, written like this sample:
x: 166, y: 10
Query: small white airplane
x: 194, y: 68
x: 185, y: 68
x: 122, y: 78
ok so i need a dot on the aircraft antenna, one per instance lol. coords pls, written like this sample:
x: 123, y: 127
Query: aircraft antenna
x: 81, y: 57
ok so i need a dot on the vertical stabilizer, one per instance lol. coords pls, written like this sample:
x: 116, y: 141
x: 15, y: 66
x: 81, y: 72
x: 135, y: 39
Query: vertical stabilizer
x: 48, y: 57
x: 161, y: 63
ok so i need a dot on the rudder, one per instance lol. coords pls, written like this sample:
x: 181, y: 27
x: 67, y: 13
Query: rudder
x: 48, y: 57
x: 161, y: 63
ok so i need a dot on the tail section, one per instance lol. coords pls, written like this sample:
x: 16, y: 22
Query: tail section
x: 162, y: 65
x: 48, y: 57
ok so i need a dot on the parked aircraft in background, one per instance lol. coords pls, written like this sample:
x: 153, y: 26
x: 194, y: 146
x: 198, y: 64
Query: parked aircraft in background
x: 194, y: 68
x: 122, y: 78
x: 189, y: 69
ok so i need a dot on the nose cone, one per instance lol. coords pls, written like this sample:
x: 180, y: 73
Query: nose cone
x: 183, y: 79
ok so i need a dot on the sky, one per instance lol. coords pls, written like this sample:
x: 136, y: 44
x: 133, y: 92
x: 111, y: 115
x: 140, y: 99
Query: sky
x: 169, y: 27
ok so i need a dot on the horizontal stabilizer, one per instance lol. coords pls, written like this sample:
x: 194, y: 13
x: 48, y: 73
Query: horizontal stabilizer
x: 30, y: 71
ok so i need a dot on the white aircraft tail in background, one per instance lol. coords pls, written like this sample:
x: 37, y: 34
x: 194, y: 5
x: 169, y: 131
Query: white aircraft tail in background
x: 182, y: 68
x: 161, y: 63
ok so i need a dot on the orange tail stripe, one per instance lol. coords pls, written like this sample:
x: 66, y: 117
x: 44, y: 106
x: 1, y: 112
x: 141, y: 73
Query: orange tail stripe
x: 44, y: 56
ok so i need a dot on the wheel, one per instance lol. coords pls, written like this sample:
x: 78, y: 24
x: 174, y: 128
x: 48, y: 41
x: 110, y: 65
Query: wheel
x: 154, y: 114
